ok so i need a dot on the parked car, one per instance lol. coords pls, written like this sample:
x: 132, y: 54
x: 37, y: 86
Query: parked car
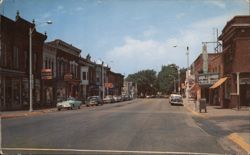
x: 70, y: 103
x: 94, y: 100
x: 125, y: 97
x: 175, y: 99
x: 117, y: 98
x: 108, y: 99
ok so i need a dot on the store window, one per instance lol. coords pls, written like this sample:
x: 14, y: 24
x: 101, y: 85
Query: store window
x: 16, y: 92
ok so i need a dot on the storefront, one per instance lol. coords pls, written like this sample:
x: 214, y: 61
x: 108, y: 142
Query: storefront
x: 13, y: 90
x: 245, y: 89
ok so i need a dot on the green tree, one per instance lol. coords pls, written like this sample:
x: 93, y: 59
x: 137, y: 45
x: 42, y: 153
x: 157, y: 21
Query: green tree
x: 146, y: 81
x: 166, y: 78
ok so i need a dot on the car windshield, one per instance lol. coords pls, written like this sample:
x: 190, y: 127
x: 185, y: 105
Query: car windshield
x: 119, y: 77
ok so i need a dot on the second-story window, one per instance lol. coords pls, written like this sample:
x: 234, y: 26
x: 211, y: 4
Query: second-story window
x: 52, y: 68
x: 26, y: 59
x: 15, y: 58
x: 35, y: 61
x: 3, y: 55
x: 84, y: 76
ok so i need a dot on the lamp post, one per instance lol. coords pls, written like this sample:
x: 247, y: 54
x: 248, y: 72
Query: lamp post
x: 187, y: 72
x: 31, y: 79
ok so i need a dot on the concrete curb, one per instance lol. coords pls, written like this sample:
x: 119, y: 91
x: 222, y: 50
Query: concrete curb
x: 26, y: 114
x: 240, y: 141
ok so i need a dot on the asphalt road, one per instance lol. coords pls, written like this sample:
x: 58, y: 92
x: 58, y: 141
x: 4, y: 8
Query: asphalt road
x: 141, y: 126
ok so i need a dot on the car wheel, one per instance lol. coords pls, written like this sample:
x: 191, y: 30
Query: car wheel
x: 59, y: 109
x: 72, y: 107
x: 79, y: 107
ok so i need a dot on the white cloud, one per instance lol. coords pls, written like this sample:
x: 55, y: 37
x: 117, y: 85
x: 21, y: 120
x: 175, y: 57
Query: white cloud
x: 217, y: 3
x: 141, y: 54
x: 137, y: 54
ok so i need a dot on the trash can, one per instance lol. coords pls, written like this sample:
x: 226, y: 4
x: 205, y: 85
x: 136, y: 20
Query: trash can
x: 203, y: 104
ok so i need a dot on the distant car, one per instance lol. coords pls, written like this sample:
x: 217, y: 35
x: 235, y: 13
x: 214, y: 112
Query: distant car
x: 175, y: 99
x: 108, y: 99
x: 70, y: 103
x: 117, y: 98
x: 94, y: 100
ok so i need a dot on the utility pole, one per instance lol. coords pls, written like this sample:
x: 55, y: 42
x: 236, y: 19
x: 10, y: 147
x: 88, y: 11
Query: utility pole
x: 179, y: 82
x: 103, y: 88
x: 187, y: 75
x: 1, y: 152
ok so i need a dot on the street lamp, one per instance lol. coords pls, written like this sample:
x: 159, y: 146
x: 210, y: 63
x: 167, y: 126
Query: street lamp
x: 31, y: 30
x: 187, y: 72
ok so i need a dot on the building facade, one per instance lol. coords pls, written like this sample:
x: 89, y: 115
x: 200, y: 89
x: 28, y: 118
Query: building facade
x: 235, y: 91
x: 14, y: 63
x: 49, y: 85
x: 203, y: 80
x: 67, y: 69
x: 116, y: 82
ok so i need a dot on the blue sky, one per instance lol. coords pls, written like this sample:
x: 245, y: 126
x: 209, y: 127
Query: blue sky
x: 131, y: 35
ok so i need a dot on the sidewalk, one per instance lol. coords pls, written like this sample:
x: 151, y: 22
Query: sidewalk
x: 25, y: 113
x: 233, y: 121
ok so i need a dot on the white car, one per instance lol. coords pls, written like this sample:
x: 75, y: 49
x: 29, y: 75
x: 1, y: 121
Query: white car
x: 70, y: 103
x: 175, y: 99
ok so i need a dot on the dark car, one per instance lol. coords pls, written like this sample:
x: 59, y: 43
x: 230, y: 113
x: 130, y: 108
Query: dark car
x: 94, y: 100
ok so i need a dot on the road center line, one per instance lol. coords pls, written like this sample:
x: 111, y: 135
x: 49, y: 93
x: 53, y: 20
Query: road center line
x: 104, y: 151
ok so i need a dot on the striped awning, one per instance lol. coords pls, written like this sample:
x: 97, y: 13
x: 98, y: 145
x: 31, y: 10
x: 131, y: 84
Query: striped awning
x: 218, y: 83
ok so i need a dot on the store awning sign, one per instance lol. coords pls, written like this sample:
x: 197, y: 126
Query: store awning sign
x: 46, y: 74
x: 108, y: 85
x: 208, y: 79
x: 244, y: 80
x: 68, y: 77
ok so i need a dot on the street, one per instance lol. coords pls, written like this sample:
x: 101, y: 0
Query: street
x: 138, y: 125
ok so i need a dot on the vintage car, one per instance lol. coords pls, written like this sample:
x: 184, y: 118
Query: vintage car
x: 94, y: 100
x: 69, y: 103
x: 175, y: 99
x: 108, y: 99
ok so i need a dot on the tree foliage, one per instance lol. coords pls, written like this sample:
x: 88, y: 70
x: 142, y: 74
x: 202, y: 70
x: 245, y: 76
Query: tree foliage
x: 166, y: 78
x: 149, y: 83
x: 146, y: 81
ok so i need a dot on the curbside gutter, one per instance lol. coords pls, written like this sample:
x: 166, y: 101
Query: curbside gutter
x: 26, y: 114
x: 240, y: 141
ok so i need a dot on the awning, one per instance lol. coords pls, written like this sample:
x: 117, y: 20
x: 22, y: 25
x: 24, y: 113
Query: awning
x: 218, y: 83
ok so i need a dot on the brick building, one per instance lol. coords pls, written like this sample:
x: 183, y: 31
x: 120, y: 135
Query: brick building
x: 204, y: 79
x: 49, y: 85
x: 67, y: 69
x: 235, y: 90
x: 14, y: 63
x: 87, y: 77
x: 116, y: 79
x: 216, y: 67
